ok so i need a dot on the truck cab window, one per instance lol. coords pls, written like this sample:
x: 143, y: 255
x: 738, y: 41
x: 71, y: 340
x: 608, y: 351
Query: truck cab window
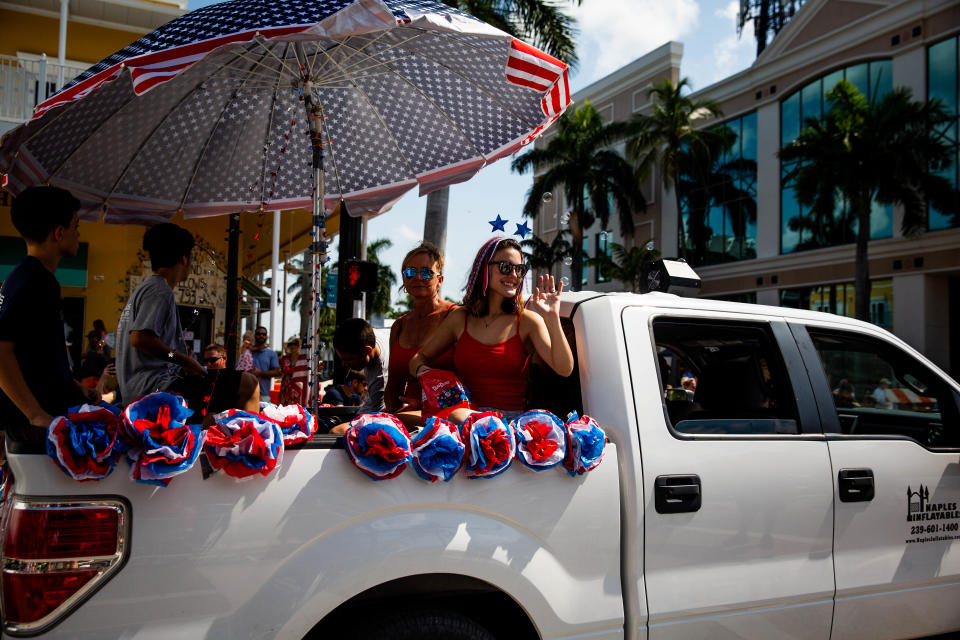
x: 723, y: 378
x: 881, y: 390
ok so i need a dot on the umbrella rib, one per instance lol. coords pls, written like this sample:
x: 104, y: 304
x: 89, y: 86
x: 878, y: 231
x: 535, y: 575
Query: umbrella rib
x: 260, y: 41
x: 206, y: 144
x: 355, y: 72
x: 66, y: 109
x: 87, y: 138
x: 357, y: 51
x: 333, y: 157
x: 472, y: 84
x: 376, y: 113
x: 273, y: 105
x: 482, y: 90
x: 163, y: 121
x: 435, y: 106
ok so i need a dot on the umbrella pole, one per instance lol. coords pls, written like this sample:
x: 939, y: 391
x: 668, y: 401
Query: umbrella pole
x: 231, y: 321
x: 318, y: 247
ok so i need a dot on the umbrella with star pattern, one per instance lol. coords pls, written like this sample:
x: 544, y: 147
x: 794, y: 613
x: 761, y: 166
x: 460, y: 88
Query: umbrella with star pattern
x: 207, y: 114
x: 251, y: 105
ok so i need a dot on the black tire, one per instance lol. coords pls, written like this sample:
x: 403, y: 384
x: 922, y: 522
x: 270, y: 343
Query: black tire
x: 423, y: 624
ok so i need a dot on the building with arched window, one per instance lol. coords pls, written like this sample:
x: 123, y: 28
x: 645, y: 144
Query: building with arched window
x: 757, y: 243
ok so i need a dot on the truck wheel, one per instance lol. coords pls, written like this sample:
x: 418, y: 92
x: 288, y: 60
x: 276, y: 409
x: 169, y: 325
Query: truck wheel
x: 424, y: 624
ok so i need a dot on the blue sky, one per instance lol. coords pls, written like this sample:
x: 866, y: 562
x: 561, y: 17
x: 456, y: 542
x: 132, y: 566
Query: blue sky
x: 612, y: 34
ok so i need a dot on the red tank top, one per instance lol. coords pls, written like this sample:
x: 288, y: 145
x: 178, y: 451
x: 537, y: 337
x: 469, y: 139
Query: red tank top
x: 400, y: 356
x: 495, y: 374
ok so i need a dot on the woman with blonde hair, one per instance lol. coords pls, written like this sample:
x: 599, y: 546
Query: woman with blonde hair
x: 422, y: 273
x: 245, y: 361
x: 495, y: 335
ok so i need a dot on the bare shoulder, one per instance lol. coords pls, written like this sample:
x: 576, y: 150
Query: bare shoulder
x: 530, y: 321
x: 395, y: 329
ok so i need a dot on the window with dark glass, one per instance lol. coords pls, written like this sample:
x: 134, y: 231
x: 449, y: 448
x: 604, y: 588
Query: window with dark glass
x: 718, y: 196
x: 723, y: 378
x: 800, y: 229
x: 881, y: 390
x: 603, y: 249
x: 839, y: 298
x: 943, y: 82
x: 586, y: 254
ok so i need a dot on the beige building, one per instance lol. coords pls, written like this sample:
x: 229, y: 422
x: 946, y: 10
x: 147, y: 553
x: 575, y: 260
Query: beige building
x: 762, y: 246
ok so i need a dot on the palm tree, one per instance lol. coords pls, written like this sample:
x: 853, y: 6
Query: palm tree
x: 577, y: 158
x: 704, y: 182
x: 888, y: 151
x: 668, y: 138
x: 768, y: 16
x: 627, y: 265
x: 378, y: 302
x: 539, y: 22
x: 543, y: 256
x: 326, y: 319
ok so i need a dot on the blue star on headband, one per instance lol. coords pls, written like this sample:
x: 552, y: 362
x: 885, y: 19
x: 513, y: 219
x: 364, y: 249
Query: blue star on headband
x: 522, y: 230
x: 498, y: 225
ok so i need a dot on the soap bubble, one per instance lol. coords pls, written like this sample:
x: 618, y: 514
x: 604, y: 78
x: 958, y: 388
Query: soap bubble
x: 565, y: 281
x: 547, y: 197
x: 567, y: 261
x: 649, y: 246
x: 603, y: 235
x: 565, y: 218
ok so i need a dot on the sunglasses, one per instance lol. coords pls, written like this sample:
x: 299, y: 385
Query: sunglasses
x: 411, y: 272
x: 212, y: 359
x: 260, y: 333
x: 506, y: 267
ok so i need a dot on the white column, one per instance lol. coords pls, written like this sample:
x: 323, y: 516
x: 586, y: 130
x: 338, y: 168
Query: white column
x: 360, y: 306
x: 275, y: 284
x: 62, y: 45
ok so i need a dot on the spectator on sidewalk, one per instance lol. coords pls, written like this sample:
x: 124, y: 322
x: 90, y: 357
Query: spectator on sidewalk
x: 266, y: 365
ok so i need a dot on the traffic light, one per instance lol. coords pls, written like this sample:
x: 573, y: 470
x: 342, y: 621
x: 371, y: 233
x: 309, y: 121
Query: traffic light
x: 358, y: 276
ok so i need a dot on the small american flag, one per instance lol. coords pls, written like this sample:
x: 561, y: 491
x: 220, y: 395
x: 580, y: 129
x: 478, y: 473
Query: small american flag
x: 529, y: 67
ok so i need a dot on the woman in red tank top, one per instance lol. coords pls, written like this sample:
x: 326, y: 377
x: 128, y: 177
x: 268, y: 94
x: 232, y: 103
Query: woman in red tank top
x: 422, y: 273
x: 494, y: 335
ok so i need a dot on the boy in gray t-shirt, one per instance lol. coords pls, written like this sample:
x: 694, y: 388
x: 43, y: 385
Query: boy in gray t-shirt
x: 151, y: 354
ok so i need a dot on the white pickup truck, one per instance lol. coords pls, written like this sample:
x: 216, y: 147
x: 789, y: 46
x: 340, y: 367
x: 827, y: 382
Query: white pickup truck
x: 790, y: 496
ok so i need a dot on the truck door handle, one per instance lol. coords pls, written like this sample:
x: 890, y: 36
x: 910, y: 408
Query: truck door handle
x: 677, y: 494
x: 855, y: 485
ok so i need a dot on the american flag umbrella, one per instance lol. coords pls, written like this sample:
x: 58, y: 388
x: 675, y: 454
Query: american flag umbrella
x: 254, y: 105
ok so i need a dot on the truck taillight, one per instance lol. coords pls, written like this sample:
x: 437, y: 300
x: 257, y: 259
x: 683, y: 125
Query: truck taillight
x: 56, y: 554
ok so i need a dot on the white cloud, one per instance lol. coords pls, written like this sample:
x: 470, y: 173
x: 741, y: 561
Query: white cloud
x: 407, y: 234
x: 616, y: 32
x: 731, y: 53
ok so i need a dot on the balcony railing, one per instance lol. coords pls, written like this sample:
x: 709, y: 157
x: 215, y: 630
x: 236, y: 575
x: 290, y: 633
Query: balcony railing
x: 21, y: 88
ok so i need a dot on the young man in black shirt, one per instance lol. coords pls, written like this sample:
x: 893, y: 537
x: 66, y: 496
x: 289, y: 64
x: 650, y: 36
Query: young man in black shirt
x: 35, y: 380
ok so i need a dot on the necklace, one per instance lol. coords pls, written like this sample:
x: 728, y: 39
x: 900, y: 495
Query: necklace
x: 488, y: 322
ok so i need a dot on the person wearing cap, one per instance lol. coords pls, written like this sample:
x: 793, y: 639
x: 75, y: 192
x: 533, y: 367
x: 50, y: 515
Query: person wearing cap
x: 880, y: 394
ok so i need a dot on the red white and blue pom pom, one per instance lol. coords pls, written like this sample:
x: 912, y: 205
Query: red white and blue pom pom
x: 296, y: 423
x: 585, y: 444
x: 161, y: 444
x: 243, y: 444
x: 490, y: 444
x: 541, y: 439
x: 84, y: 442
x: 378, y: 445
x: 437, y: 450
